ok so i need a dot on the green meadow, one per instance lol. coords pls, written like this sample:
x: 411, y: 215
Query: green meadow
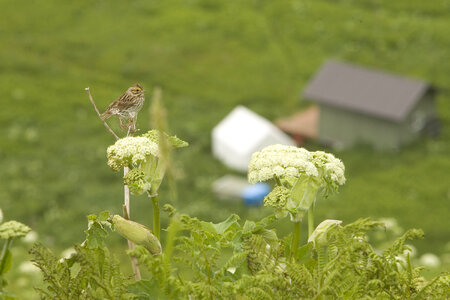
x: 207, y: 56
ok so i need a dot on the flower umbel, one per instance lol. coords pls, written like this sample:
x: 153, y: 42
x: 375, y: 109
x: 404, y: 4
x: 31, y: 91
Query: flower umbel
x: 137, y: 181
x: 300, y: 175
x: 331, y: 169
x: 282, y: 161
x: 146, y: 157
x: 278, y: 199
x: 131, y: 151
x: 13, y: 229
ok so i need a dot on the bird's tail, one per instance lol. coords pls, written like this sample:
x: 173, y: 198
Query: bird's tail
x: 105, y: 115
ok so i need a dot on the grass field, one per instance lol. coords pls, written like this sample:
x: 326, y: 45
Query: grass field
x: 208, y: 56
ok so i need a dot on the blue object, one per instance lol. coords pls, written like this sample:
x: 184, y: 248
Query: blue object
x: 254, y: 194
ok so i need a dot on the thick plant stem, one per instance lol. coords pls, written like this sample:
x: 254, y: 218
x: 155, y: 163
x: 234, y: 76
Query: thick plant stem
x: 310, y: 220
x: 156, y: 222
x: 126, y: 215
x: 295, y: 239
x: 6, y: 246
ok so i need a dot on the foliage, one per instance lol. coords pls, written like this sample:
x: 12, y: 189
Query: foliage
x: 208, y: 56
x: 300, y: 176
x: 147, y: 158
x: 9, y: 231
x: 227, y: 260
x: 345, y: 267
x: 90, y: 273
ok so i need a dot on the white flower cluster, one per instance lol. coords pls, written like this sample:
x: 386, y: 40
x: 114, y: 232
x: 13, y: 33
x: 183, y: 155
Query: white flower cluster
x: 290, y: 161
x: 332, y: 168
x: 282, y: 161
x: 131, y: 151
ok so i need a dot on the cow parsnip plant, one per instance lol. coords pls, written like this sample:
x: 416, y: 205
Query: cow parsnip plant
x: 237, y: 259
x: 300, y: 176
x: 9, y: 231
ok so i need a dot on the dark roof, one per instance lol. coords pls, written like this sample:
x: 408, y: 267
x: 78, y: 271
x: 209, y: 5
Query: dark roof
x: 365, y: 90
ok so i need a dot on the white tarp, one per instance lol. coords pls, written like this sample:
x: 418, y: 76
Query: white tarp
x: 240, y: 134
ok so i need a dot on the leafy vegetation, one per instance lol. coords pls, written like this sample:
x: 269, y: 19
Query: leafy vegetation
x: 88, y: 274
x: 208, y: 56
x: 203, y: 260
x: 227, y: 260
x: 9, y: 231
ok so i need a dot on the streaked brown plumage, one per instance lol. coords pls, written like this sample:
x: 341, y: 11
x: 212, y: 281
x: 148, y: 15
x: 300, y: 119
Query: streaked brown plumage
x: 128, y: 105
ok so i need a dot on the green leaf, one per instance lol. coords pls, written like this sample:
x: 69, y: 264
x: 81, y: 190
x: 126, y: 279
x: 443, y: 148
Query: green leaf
x: 173, y: 141
x: 304, y: 253
x: 96, y: 232
x: 222, y: 227
x: 144, y: 289
x: 103, y: 216
x: 176, y: 142
x: 95, y: 235
x: 92, y: 217
x: 5, y: 264
x: 267, y: 221
x: 7, y: 295
x: 208, y: 226
x: 237, y: 241
x: 269, y: 235
x: 249, y: 227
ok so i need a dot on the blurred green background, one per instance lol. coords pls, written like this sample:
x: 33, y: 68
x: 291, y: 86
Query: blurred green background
x: 207, y: 56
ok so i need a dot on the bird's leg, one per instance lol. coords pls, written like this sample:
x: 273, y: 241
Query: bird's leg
x: 122, y: 125
x: 131, y: 126
x: 134, y: 123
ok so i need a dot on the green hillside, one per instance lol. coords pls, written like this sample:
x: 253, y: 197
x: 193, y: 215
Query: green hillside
x: 207, y: 56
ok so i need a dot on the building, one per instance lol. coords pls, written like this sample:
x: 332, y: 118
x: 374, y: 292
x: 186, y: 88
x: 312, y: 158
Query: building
x: 361, y: 105
x: 302, y: 126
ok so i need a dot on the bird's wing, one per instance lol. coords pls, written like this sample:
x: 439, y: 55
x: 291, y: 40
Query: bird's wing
x: 124, y: 102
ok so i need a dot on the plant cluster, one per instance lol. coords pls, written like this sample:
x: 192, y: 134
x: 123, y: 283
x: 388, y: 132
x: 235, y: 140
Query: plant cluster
x: 230, y: 260
x: 237, y: 260
x: 9, y: 231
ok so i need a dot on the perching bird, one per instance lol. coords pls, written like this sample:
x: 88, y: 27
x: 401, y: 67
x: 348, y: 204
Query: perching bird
x: 126, y: 106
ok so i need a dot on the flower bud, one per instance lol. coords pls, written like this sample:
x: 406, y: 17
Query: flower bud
x: 137, y: 233
x: 319, y: 236
x: 13, y: 229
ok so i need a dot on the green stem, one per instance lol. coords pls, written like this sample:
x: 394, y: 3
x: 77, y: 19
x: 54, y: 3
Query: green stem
x: 126, y: 214
x: 6, y: 246
x: 310, y: 220
x: 295, y: 239
x: 277, y: 180
x: 156, y: 221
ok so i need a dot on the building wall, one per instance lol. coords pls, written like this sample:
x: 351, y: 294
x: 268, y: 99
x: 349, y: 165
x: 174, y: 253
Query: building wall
x: 414, y: 124
x: 342, y: 129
